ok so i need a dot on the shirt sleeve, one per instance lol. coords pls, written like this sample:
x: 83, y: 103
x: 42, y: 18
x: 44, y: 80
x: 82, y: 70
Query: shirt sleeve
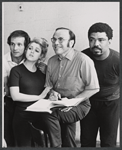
x: 48, y: 82
x: 89, y: 74
x: 14, y: 77
x: 5, y: 68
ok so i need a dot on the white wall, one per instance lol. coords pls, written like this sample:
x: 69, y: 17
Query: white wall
x: 42, y: 18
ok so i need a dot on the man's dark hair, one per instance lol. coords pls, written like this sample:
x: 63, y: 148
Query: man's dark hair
x: 72, y: 35
x: 19, y: 33
x: 101, y: 27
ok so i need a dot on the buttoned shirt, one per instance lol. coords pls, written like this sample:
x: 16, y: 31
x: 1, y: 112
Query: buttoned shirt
x: 72, y: 74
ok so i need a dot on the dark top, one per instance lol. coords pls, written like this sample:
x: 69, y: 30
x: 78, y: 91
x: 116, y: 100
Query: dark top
x: 29, y: 82
x: 108, y: 76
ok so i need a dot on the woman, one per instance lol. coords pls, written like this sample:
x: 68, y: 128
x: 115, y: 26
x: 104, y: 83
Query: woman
x: 26, y: 84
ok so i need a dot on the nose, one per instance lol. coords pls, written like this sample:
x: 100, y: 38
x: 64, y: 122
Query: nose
x: 32, y: 50
x: 15, y: 46
x: 56, y: 41
x: 96, y: 43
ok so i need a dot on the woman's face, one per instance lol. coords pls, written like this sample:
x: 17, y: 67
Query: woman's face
x: 33, y: 52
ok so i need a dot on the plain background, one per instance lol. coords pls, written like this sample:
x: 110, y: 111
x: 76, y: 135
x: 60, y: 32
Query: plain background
x: 40, y: 19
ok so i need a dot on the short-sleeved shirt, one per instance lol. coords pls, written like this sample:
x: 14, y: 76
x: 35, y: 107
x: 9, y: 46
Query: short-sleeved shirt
x: 8, y: 64
x: 72, y: 74
x: 31, y: 83
x: 108, y: 76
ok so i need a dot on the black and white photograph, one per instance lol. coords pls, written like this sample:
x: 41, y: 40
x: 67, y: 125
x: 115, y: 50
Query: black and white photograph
x: 61, y: 74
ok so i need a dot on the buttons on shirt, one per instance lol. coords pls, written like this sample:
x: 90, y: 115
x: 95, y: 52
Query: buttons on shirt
x: 59, y: 76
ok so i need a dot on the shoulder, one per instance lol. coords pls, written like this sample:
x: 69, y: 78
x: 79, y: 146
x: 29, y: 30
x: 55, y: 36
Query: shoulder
x: 114, y: 54
x: 18, y: 68
x: 83, y: 57
x: 39, y: 71
x: 7, y: 57
x: 87, y: 52
x: 53, y: 59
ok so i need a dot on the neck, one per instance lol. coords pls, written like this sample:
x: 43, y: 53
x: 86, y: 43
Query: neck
x: 17, y: 59
x: 30, y: 66
x: 65, y: 53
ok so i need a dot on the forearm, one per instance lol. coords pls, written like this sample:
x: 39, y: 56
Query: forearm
x: 25, y: 97
x: 17, y: 96
x: 45, y: 91
x: 87, y: 93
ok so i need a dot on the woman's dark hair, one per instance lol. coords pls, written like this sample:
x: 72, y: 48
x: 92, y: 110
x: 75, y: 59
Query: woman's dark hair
x: 72, y: 35
x: 19, y: 33
x: 101, y: 27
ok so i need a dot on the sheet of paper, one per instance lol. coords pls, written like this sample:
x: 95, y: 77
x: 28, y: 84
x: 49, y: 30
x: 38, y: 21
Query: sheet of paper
x: 44, y: 105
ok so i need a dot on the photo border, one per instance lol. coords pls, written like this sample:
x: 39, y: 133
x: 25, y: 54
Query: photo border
x: 1, y: 82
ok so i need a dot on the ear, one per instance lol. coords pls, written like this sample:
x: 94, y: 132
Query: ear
x: 110, y: 41
x: 71, y: 43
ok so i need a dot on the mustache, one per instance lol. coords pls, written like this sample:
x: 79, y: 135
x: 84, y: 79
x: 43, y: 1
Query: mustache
x: 96, y: 47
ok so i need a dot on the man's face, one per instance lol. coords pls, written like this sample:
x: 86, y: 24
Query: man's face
x: 99, y: 43
x: 17, y: 46
x: 61, y: 41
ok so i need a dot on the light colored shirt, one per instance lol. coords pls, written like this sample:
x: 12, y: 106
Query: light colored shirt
x: 8, y: 64
x: 72, y: 74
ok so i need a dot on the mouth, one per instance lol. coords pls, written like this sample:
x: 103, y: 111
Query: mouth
x: 96, y: 49
x: 31, y: 55
x: 16, y: 52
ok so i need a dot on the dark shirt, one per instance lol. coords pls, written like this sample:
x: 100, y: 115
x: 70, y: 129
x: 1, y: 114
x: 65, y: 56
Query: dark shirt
x: 28, y: 82
x: 108, y: 75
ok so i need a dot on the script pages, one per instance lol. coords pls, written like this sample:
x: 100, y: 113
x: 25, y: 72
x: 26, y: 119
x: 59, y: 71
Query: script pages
x: 45, y: 105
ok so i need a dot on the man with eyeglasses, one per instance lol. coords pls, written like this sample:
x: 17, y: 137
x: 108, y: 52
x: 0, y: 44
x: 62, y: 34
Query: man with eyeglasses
x: 70, y: 74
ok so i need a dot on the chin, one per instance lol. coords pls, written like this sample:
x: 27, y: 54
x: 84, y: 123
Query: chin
x: 58, y: 52
x: 97, y: 55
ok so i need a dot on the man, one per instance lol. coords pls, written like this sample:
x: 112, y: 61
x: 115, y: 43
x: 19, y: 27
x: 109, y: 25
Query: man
x: 104, y: 113
x: 17, y: 41
x: 70, y: 74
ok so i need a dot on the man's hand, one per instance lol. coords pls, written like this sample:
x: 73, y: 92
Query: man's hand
x: 54, y: 96
x: 66, y: 109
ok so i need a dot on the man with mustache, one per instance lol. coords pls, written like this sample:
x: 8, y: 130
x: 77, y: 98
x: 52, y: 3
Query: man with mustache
x: 105, y: 105
x: 70, y: 74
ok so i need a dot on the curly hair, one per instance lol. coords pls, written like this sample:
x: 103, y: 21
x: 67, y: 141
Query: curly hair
x: 43, y: 44
x: 101, y: 27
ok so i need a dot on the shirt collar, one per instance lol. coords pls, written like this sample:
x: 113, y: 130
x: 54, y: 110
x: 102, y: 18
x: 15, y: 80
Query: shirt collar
x: 10, y: 59
x: 69, y: 55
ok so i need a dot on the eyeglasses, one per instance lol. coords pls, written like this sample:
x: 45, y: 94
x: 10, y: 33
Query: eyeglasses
x: 60, y: 40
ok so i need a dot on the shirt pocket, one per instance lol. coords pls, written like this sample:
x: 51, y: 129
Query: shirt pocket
x: 71, y: 83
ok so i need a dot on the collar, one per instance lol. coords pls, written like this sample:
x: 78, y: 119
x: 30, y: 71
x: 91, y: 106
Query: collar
x: 8, y: 56
x: 69, y: 55
x: 9, y: 59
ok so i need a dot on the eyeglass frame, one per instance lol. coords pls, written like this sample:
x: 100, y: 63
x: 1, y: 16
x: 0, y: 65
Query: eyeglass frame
x: 60, y: 39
